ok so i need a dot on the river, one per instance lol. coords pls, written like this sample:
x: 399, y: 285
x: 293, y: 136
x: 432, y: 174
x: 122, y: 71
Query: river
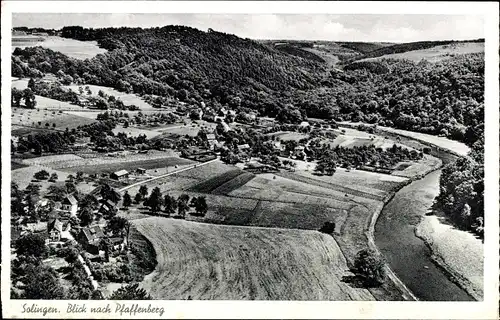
x: 408, y: 255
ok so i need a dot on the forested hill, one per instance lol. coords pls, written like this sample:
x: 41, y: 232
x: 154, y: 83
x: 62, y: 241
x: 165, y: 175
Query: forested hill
x: 214, y: 68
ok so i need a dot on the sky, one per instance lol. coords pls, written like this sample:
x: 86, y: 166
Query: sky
x: 374, y: 28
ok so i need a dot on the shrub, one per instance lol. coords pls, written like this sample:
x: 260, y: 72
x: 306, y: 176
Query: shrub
x: 328, y: 227
x: 370, y: 267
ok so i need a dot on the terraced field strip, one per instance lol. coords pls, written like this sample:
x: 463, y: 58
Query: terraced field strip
x: 234, y: 183
x: 330, y: 185
x: 213, y: 183
x: 204, y: 261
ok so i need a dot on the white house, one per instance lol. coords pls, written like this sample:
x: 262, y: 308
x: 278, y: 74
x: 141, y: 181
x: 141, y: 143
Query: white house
x: 70, y: 204
x: 58, y: 230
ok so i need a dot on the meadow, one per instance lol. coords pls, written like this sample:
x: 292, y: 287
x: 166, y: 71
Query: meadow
x: 38, y: 119
x: 126, y: 98
x: 202, y: 261
x: 435, y: 54
x: 70, y: 47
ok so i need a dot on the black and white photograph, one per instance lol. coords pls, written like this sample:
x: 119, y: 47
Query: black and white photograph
x: 299, y: 157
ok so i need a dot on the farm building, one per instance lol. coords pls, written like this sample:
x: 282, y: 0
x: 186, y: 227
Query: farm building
x: 117, y: 243
x: 58, y: 229
x: 108, y: 207
x: 120, y: 175
x: 90, y: 237
x: 243, y: 147
x: 141, y: 171
x: 70, y: 204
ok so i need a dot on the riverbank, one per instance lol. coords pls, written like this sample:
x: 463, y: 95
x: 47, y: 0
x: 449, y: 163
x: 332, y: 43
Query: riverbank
x: 458, y: 252
x: 407, y: 255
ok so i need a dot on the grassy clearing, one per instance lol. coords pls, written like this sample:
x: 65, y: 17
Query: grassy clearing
x: 293, y: 136
x: 132, y: 131
x: 32, y: 117
x: 24, y: 176
x: 435, y: 54
x: 127, y: 98
x: 231, y: 263
x: 17, y: 165
x: 130, y: 166
x: 418, y: 140
x: 73, y: 161
x: 70, y: 47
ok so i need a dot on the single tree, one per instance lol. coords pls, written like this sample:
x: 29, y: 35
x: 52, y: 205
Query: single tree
x: 201, y: 206
x: 370, y: 267
x: 53, y: 177
x: 143, y: 190
x: 170, y: 204
x: 42, y: 175
x: 155, y: 200
x: 86, y: 216
x: 138, y: 197
x: 117, y: 226
x: 127, y: 200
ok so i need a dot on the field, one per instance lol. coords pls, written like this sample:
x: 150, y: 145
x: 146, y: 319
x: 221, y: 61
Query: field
x: 285, y: 135
x: 97, y: 162
x: 201, y: 261
x: 355, y: 138
x: 31, y: 117
x: 215, y: 182
x: 130, y: 165
x: 435, y: 54
x: 133, y: 131
x: 182, y: 130
x: 70, y: 47
x: 127, y: 98
x: 24, y: 176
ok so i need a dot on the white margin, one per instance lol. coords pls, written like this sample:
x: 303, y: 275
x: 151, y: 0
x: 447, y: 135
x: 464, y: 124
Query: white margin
x: 486, y: 309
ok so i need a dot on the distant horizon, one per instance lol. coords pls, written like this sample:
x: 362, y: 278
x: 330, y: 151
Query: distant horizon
x: 290, y: 27
x: 263, y: 39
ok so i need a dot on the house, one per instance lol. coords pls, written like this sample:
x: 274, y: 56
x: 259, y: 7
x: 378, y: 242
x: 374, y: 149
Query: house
x: 212, y: 141
x: 141, y: 171
x: 243, y: 147
x: 299, y: 152
x: 70, y: 204
x: 116, y: 243
x: 119, y: 175
x: 107, y: 208
x: 304, y: 124
x: 58, y: 229
x: 90, y: 236
x: 277, y: 145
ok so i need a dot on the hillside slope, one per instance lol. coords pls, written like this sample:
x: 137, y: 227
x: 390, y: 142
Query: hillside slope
x: 204, y: 261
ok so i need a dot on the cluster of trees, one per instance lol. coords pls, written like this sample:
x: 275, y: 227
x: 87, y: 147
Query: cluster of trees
x: 151, y: 119
x: 51, y: 142
x: 27, y: 94
x: 156, y: 201
x: 461, y: 192
x: 329, y: 157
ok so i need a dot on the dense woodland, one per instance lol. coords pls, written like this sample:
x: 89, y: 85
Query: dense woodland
x: 213, y: 68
